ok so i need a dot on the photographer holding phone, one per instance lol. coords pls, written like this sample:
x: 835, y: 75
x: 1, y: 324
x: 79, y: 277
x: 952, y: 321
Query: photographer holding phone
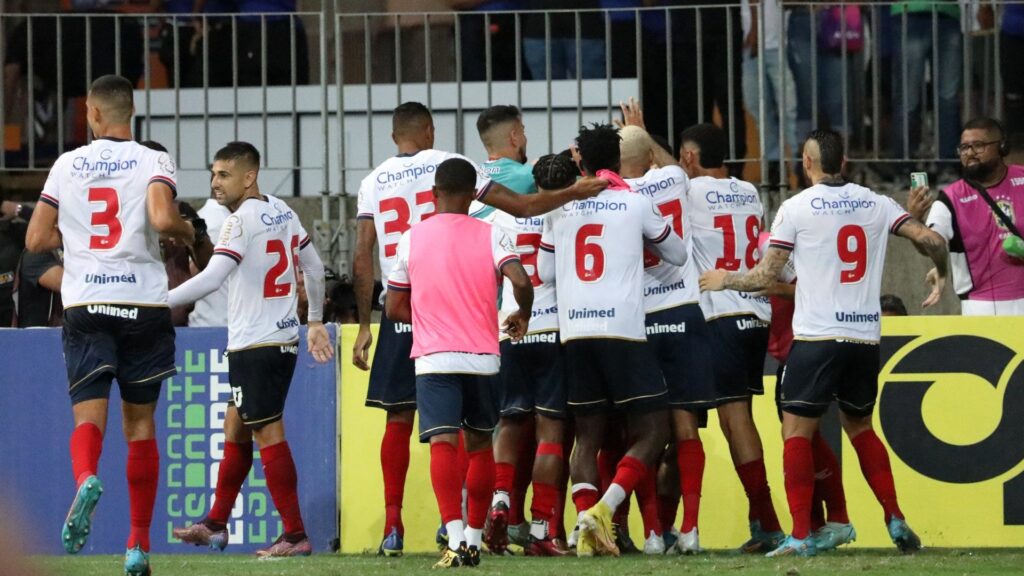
x: 980, y: 217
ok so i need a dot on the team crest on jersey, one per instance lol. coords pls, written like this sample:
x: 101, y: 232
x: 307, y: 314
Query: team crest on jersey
x: 1007, y: 207
x: 231, y: 229
x: 166, y: 163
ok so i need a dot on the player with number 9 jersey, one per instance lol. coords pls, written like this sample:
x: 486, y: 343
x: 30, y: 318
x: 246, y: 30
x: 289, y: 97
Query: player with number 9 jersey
x: 838, y: 234
x: 111, y: 254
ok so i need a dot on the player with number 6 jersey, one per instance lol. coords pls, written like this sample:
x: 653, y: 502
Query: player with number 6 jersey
x: 260, y: 245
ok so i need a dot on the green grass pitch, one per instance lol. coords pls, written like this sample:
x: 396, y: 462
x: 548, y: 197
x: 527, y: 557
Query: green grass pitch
x: 844, y: 562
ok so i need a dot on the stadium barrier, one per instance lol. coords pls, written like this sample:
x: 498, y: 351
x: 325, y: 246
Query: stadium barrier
x: 950, y: 408
x: 35, y: 424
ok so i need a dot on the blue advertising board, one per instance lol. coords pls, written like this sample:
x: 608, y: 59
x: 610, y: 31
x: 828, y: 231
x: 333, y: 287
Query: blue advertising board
x: 36, y: 483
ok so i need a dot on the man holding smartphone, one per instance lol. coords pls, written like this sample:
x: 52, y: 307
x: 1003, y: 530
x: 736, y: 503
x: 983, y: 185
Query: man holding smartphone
x: 978, y: 215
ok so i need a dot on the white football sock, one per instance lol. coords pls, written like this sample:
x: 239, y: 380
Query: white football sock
x: 456, y: 534
x: 614, y: 496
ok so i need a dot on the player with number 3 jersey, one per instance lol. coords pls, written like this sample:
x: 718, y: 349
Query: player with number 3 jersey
x: 259, y: 247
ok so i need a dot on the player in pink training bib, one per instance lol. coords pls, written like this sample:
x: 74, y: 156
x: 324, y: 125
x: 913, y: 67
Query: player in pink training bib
x: 837, y: 233
x: 445, y: 281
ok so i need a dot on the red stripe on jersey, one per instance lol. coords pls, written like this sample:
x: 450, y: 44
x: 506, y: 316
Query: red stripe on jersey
x: 398, y: 286
x: 229, y: 253
x: 364, y: 216
x: 165, y: 180
x: 304, y: 242
x: 899, y: 222
x: 483, y: 191
x: 547, y: 247
x: 775, y: 242
x: 49, y: 200
x: 664, y: 235
x: 506, y: 260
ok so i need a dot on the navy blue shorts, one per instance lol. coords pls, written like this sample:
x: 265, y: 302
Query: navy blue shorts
x: 606, y: 373
x: 738, y: 345
x: 260, y: 378
x: 448, y: 403
x: 678, y: 337
x: 819, y: 370
x: 392, y: 373
x: 532, y: 377
x: 134, y: 344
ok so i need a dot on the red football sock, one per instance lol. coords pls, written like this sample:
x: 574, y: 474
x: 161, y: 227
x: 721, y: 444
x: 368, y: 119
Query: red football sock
x: 829, y: 480
x: 479, y: 486
x: 647, y: 497
x: 143, y: 472
x: 463, y: 459
x: 690, y: 457
x: 283, y: 483
x: 86, y: 446
x: 874, y: 463
x: 504, y: 477
x: 394, y: 462
x: 446, y: 478
x: 629, y: 473
x: 233, y: 470
x: 755, y: 484
x: 584, y: 496
x: 798, y: 468
x: 668, y: 506
x: 545, y: 500
x: 817, y: 507
x: 523, y: 474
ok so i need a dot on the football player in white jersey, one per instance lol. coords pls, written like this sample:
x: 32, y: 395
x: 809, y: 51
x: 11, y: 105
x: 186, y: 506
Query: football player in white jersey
x: 725, y: 216
x: 110, y: 200
x: 593, y: 249
x: 396, y: 195
x: 676, y: 329
x: 256, y: 255
x: 837, y: 234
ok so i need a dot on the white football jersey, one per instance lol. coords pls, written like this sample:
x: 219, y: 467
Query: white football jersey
x: 666, y: 285
x: 725, y: 217
x: 598, y: 247
x: 838, y: 235
x: 111, y: 253
x: 526, y: 234
x: 264, y: 237
x: 399, y: 193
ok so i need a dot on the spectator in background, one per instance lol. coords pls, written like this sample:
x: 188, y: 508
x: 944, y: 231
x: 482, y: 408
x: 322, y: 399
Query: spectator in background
x: 342, y: 299
x: 189, y: 64
x: 500, y: 27
x: 624, y: 36
x: 413, y: 42
x: 986, y: 277
x: 12, y: 243
x: 282, y: 66
x: 37, y: 290
x: 914, y: 47
x: 1011, y: 46
x: 892, y: 305
x: 778, y: 88
x: 562, y: 49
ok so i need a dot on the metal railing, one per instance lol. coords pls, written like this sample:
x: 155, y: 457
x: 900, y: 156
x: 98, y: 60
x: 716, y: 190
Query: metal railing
x: 321, y: 128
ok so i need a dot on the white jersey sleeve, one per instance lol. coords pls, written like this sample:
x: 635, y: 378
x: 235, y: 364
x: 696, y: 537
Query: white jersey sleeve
x: 503, y: 249
x: 399, y: 277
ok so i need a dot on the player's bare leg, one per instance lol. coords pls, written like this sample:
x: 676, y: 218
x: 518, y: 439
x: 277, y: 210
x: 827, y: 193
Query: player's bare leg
x: 506, y: 452
x: 394, y: 462
x: 548, y: 470
x: 689, y: 458
x: 874, y: 464
x: 590, y: 433
x: 212, y: 531
x: 282, y: 481
x: 143, y: 471
x: 737, y: 424
x: 86, y: 445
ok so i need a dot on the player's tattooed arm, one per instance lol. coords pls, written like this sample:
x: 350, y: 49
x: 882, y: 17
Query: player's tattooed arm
x: 933, y: 245
x: 518, y: 323
x: 758, y: 278
x: 362, y: 268
x: 527, y: 205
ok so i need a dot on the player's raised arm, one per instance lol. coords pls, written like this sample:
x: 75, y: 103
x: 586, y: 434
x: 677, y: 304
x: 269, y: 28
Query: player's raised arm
x: 931, y: 244
x: 318, y: 341
x: 526, y: 205
x: 362, y: 269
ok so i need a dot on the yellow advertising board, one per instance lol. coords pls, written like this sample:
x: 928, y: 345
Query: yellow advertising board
x: 950, y: 408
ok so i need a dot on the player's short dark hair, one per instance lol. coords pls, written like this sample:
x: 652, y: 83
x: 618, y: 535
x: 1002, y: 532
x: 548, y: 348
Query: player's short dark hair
x: 710, y: 140
x: 495, y: 116
x: 893, y: 304
x: 554, y: 172
x: 599, y: 147
x: 235, y: 151
x: 830, y: 147
x: 116, y: 92
x: 987, y: 124
x: 455, y: 176
x: 154, y: 145
x: 410, y: 117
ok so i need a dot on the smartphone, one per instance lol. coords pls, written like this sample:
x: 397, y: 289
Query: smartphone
x: 918, y: 179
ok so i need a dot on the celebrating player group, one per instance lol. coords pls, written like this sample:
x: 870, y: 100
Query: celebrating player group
x: 593, y: 306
